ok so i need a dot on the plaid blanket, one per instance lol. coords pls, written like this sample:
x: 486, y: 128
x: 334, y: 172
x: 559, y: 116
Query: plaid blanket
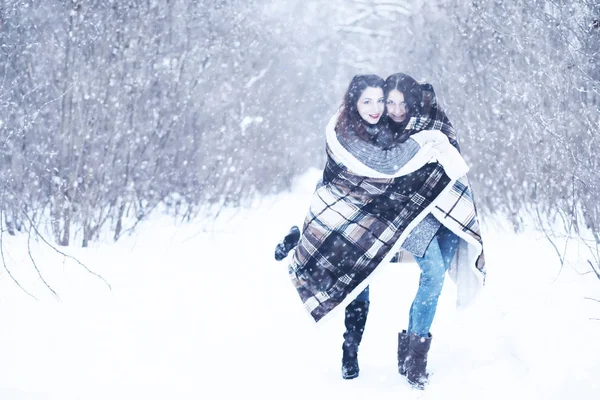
x: 432, y: 117
x: 357, y: 223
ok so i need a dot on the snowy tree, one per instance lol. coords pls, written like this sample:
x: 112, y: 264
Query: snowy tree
x: 110, y: 109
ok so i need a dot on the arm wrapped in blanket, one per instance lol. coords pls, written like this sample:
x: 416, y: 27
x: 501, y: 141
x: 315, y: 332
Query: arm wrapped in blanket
x: 435, y: 146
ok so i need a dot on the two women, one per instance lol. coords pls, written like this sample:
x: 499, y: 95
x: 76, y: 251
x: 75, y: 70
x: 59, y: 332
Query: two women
x: 387, y: 184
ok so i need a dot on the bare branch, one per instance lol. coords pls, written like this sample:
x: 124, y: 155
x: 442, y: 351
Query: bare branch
x: 4, y: 261
x: 260, y: 75
x: 365, y: 31
x: 596, y: 271
x: 589, y: 298
x: 64, y: 254
x: 541, y: 222
x: 35, y: 265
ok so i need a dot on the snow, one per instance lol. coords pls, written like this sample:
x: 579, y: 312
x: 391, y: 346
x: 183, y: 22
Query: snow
x: 202, y: 310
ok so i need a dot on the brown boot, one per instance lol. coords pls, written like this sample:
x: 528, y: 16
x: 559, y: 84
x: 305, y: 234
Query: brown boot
x: 416, y: 362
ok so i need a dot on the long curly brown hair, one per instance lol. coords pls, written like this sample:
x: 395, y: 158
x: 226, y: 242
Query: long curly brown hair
x: 350, y: 122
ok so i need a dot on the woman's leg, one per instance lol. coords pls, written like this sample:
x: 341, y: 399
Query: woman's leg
x: 355, y: 319
x: 363, y: 296
x: 422, y: 313
x: 434, y: 264
x: 448, y: 243
x: 422, y: 310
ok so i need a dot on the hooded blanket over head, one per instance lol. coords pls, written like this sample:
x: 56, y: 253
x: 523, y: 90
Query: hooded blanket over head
x: 358, y: 218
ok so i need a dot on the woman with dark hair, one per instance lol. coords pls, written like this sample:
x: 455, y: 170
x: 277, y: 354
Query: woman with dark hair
x: 362, y: 132
x: 362, y: 107
x: 432, y: 244
x: 378, y: 190
x: 403, y: 100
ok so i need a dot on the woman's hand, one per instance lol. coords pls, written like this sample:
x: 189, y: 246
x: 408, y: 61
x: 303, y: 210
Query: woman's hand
x: 440, y: 150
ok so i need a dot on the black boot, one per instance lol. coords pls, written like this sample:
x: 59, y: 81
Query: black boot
x: 416, y: 362
x: 355, y: 320
x: 288, y: 243
x: 403, y: 339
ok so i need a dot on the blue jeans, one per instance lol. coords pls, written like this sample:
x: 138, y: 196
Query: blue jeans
x: 363, y: 296
x: 434, y: 264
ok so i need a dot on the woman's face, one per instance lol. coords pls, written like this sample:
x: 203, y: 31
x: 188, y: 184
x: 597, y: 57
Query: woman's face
x: 396, y: 107
x: 370, y: 104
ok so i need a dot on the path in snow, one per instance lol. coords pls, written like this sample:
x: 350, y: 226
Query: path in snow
x: 205, y: 312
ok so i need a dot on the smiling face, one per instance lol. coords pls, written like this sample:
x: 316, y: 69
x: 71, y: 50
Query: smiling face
x: 396, y: 107
x: 370, y: 104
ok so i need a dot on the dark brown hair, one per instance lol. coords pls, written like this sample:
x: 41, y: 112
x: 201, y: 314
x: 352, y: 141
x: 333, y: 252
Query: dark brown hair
x: 350, y: 121
x: 410, y: 88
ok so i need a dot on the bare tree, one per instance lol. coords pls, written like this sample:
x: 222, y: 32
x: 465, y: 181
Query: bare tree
x: 111, y: 110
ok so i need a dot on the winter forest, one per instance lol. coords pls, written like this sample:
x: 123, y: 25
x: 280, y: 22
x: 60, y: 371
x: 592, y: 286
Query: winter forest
x: 116, y: 111
x: 111, y: 108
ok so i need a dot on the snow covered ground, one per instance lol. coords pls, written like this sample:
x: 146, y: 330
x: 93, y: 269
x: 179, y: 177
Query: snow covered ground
x: 202, y: 311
